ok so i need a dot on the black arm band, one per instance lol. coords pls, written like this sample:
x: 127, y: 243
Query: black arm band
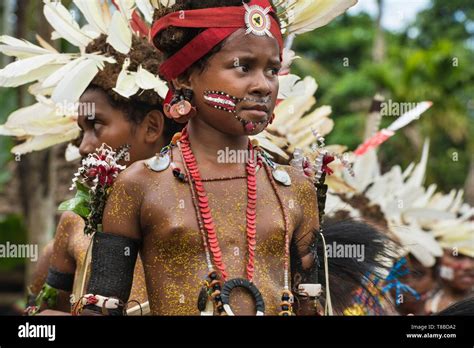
x: 60, y: 280
x: 112, y: 267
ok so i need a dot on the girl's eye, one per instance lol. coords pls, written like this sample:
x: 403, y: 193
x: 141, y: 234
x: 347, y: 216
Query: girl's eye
x: 97, y: 126
x: 243, y: 67
x: 275, y: 71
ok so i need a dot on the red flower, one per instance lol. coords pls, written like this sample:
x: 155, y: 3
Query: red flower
x: 326, y: 160
x: 92, y: 300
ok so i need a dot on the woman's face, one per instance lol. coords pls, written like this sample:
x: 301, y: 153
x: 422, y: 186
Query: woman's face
x: 108, y: 125
x: 246, y: 68
x: 457, y: 270
x: 422, y: 280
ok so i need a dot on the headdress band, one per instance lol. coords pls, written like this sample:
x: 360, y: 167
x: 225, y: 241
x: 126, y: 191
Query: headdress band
x: 220, y: 22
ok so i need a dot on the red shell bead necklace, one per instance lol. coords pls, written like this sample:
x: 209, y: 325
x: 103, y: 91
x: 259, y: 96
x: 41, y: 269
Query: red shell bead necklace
x: 214, y: 288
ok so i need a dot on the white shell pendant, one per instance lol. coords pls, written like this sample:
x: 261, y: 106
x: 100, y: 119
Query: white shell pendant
x: 158, y: 163
x: 281, y: 176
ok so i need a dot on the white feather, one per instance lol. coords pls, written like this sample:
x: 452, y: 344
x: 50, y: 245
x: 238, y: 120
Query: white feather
x: 30, y: 69
x: 37, y: 89
x: 290, y: 86
x: 43, y: 43
x: 92, y: 13
x: 293, y: 108
x: 64, y: 24
x: 410, y: 116
x: 126, y: 7
x: 71, y: 87
x: 146, y: 80
x: 420, y: 244
x: 418, y: 176
x: 41, y: 142
x: 119, y: 35
x: 308, y: 15
x: 146, y: 9
x: 72, y: 153
x: 20, y: 48
x: 313, y: 120
x: 54, y: 78
x: 269, y: 145
x: 288, y: 57
x: 126, y: 84
x: 90, y: 31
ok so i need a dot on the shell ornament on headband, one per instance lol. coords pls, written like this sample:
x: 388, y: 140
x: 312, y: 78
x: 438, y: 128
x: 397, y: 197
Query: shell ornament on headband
x: 257, y: 20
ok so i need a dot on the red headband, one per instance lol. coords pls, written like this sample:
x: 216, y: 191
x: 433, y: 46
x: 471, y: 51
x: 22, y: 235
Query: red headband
x: 221, y: 23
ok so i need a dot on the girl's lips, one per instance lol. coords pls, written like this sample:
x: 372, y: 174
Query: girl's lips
x: 257, y: 114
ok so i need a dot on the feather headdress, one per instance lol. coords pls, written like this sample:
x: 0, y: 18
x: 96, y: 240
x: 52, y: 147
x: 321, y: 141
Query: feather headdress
x: 61, y: 78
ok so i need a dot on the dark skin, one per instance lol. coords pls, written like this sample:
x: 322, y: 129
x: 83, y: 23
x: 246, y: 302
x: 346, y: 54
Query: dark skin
x: 422, y: 280
x: 110, y: 126
x: 461, y: 286
x: 157, y: 209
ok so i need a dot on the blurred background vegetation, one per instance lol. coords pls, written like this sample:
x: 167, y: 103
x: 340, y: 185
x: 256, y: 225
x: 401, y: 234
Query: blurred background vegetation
x: 352, y: 59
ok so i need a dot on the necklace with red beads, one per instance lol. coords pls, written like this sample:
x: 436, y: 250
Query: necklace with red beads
x: 217, y: 287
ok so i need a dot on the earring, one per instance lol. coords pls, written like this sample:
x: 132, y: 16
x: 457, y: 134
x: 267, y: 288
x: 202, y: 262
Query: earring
x: 180, y: 108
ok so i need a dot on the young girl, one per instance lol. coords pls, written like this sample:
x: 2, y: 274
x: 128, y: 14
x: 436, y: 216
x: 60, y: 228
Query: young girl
x: 111, y: 111
x: 214, y: 231
x: 137, y: 122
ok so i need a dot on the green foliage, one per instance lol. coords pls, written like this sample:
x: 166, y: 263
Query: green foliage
x: 13, y: 231
x: 80, y: 203
x: 8, y: 103
x: 436, y: 65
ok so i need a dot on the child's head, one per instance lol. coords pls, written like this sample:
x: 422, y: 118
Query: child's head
x: 243, y: 68
x: 116, y: 121
x: 420, y: 278
x: 457, y: 270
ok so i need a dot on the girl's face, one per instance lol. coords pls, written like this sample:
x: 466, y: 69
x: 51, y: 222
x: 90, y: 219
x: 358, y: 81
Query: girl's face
x: 246, y: 68
x: 458, y: 270
x: 110, y: 126
x: 422, y: 280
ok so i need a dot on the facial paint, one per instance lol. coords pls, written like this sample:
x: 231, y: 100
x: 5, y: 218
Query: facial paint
x: 223, y: 101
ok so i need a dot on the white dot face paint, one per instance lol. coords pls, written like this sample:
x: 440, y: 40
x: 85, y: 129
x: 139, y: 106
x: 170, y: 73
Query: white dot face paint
x: 223, y: 101
x: 446, y: 273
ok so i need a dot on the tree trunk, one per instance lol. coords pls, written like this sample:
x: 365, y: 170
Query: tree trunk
x: 37, y: 170
x: 469, y: 186
x: 378, y: 54
x: 378, y: 50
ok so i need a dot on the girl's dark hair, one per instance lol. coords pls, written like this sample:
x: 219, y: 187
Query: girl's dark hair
x: 347, y: 274
x: 463, y: 307
x: 172, y: 39
x: 139, y: 105
x: 142, y: 53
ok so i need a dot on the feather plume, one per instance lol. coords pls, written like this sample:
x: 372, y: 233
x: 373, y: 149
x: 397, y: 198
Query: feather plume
x: 92, y: 13
x: 146, y: 9
x: 44, y: 141
x: 71, y: 87
x: 126, y: 84
x: 64, y: 24
x: 119, y: 34
x: 30, y: 69
x: 307, y: 15
x: 20, y: 48
x: 43, y: 43
x: 59, y: 74
x: 146, y: 80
